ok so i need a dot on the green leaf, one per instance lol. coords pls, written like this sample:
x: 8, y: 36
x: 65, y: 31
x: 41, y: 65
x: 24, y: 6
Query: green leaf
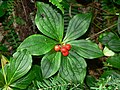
x: 50, y: 63
x: 19, y: 66
x: 108, y: 52
x: 49, y: 22
x: 23, y: 82
x: 2, y: 81
x: 114, y: 44
x: 78, y: 26
x: 115, y: 73
x: 114, y: 61
x: 106, y: 37
x: 37, y: 72
x: 111, y: 40
x: 73, y: 68
x: 86, y: 49
x: 57, y: 3
x: 119, y: 24
x: 37, y: 44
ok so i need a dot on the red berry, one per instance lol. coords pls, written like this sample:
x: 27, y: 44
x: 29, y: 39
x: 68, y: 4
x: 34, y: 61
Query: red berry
x: 63, y: 49
x: 65, y: 53
x: 57, y: 48
x: 68, y: 46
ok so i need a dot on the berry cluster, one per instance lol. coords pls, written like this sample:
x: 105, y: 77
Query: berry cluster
x: 63, y: 48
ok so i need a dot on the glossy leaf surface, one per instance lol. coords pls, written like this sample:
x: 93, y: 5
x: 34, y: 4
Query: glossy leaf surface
x: 106, y: 37
x: 119, y: 24
x: 37, y: 44
x: 18, y: 66
x: 78, y: 26
x: 86, y: 49
x: 108, y: 52
x: 49, y: 22
x: 50, y: 64
x: 23, y: 82
x: 73, y: 68
x: 111, y: 40
x: 114, y: 44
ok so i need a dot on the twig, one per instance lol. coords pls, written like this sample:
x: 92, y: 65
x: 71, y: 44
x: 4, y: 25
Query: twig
x: 14, y: 18
x: 77, y: 5
x: 24, y: 10
x: 101, y: 31
x: 70, y: 8
x: 97, y: 26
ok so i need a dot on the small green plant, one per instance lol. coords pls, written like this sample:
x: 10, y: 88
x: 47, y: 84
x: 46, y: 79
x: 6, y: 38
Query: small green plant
x: 111, y: 41
x: 109, y: 80
x: 108, y: 83
x: 16, y: 73
x: 70, y: 65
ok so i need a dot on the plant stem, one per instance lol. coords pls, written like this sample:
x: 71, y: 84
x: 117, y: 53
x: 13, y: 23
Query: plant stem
x: 4, y: 74
x: 24, y: 10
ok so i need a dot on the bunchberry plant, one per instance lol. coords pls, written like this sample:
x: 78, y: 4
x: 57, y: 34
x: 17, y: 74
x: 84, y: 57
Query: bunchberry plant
x: 63, y: 54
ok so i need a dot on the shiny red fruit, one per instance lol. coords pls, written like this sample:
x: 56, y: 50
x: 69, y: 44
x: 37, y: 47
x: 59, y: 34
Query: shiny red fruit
x: 65, y: 53
x: 57, y: 48
x: 68, y: 46
x: 63, y: 49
